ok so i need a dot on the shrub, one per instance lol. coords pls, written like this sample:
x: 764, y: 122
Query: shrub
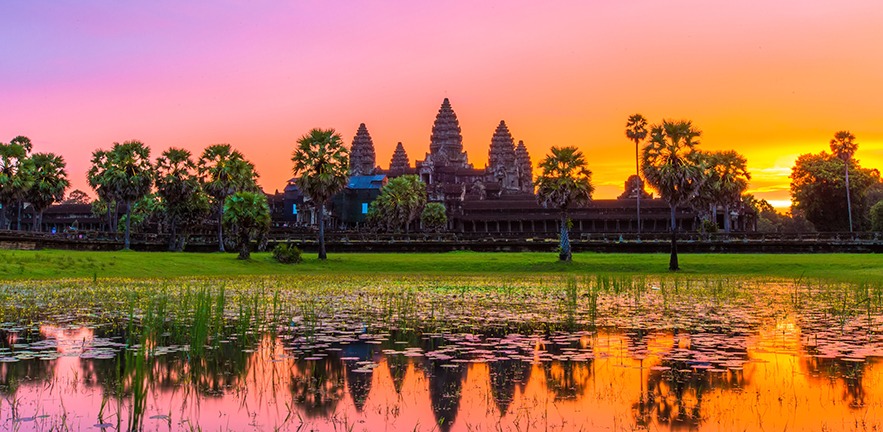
x: 434, y: 217
x: 287, y: 253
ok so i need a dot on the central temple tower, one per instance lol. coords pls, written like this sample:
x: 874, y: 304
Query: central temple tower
x: 446, y: 141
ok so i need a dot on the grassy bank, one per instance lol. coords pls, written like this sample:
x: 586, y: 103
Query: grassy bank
x: 50, y: 264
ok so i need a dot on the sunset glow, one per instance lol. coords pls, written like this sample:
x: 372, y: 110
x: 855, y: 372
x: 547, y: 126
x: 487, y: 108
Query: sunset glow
x: 771, y: 80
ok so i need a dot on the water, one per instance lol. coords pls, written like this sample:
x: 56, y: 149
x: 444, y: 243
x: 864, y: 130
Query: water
x: 708, y: 356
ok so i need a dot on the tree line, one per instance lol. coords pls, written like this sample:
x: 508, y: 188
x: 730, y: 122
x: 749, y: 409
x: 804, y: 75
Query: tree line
x: 830, y: 191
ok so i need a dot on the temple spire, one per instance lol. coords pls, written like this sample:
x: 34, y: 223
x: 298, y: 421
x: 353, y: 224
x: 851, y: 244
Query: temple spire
x: 400, y: 161
x: 501, y: 154
x: 524, y: 167
x: 362, y: 156
x: 446, y: 141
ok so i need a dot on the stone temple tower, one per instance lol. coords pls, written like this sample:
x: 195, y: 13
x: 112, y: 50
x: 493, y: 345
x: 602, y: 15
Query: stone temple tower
x: 524, y: 168
x: 501, y: 158
x: 400, y: 161
x: 446, y: 141
x: 362, y: 157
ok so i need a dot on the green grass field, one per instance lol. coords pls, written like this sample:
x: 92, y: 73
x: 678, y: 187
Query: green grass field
x: 52, y: 264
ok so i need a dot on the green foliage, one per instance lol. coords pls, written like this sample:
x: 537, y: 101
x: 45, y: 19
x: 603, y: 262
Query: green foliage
x: 49, y: 182
x: 287, y: 253
x: 146, y: 211
x: 321, y: 165
x: 434, y: 217
x: 400, y: 203
x: 222, y: 172
x: 185, y: 203
x: 248, y: 215
x: 123, y: 175
x: 565, y: 182
x: 672, y: 167
x: 877, y: 216
x: 670, y: 163
x: 818, y: 189
x: 726, y: 179
x: 16, y: 174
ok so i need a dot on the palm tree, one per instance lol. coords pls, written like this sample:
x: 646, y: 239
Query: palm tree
x: 223, y: 172
x: 565, y: 182
x: 844, y: 147
x: 97, y: 177
x: 671, y: 168
x: 400, y: 202
x: 636, y: 130
x: 732, y: 179
x: 178, y: 186
x: 321, y: 166
x: 249, y: 215
x: 16, y: 175
x: 50, y: 182
x: 126, y: 175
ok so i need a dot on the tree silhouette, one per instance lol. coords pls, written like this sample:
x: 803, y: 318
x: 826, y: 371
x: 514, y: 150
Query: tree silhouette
x: 844, y: 147
x: 636, y: 130
x: 565, y: 182
x: 670, y: 167
x: 321, y: 166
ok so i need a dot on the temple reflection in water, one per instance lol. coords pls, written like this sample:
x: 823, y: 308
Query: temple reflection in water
x: 671, y: 380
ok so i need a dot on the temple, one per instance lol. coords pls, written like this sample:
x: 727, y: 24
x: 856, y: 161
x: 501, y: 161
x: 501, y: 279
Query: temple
x: 362, y: 157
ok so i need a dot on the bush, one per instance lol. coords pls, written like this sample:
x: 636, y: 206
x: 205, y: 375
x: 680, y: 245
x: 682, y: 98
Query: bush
x: 287, y: 253
x: 434, y: 217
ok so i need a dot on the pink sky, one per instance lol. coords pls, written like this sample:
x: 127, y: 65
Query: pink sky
x: 769, y: 79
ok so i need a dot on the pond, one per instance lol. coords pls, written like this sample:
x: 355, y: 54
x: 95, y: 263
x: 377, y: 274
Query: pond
x: 445, y: 354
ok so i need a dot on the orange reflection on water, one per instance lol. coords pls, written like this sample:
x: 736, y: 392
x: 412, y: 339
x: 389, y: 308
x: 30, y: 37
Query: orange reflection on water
x: 624, y: 381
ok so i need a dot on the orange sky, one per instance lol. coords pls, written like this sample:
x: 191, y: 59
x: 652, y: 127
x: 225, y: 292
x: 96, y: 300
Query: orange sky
x: 769, y: 79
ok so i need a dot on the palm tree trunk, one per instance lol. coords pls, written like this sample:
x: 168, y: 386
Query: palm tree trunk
x: 640, y: 185
x: 673, y: 260
x: 244, y: 245
x: 38, y: 227
x: 2, y: 216
x: 128, y: 224
x: 21, y: 204
x: 848, y: 202
x: 109, y: 220
x: 322, y: 255
x: 221, y: 229
x: 564, y: 254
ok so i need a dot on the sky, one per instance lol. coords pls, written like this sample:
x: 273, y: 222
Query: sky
x: 770, y: 79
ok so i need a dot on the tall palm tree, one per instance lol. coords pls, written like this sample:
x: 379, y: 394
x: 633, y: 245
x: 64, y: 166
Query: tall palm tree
x: 844, y: 147
x: 16, y: 176
x: 670, y: 167
x: 732, y: 178
x: 565, y: 182
x: 321, y: 165
x: 97, y: 177
x: 178, y: 186
x: 223, y: 172
x: 128, y: 176
x: 50, y: 182
x: 636, y: 130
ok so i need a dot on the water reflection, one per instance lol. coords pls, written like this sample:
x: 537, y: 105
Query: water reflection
x: 405, y: 380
